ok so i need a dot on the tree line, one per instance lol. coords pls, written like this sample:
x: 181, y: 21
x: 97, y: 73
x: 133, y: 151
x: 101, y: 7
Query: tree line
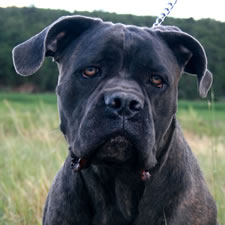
x: 19, y: 24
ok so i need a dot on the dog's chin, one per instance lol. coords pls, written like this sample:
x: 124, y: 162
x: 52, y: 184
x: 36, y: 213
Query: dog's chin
x: 117, y: 151
x: 114, y: 151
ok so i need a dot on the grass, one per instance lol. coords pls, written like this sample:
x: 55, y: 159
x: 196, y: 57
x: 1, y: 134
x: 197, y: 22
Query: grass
x: 32, y: 150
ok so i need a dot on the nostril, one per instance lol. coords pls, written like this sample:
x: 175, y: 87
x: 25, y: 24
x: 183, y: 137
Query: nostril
x: 116, y: 103
x: 113, y: 102
x: 135, y: 105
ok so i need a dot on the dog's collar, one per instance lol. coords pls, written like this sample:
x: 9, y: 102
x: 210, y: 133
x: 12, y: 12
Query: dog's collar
x: 76, y: 163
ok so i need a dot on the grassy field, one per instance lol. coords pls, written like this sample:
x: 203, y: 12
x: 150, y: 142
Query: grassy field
x: 32, y: 150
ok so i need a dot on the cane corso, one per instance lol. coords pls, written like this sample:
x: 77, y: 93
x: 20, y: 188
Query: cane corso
x: 128, y: 162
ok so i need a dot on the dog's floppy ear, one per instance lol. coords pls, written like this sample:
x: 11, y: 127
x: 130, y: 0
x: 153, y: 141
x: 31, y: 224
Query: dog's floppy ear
x: 190, y: 55
x: 29, y: 56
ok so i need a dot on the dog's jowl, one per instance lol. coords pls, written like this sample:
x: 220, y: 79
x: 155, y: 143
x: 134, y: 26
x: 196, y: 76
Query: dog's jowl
x: 128, y: 162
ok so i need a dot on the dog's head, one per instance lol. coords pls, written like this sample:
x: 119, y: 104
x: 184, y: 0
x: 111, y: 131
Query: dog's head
x: 117, y: 87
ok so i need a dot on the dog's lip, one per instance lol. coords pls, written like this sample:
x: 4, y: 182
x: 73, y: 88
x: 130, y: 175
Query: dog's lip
x: 123, y: 134
x: 84, y: 161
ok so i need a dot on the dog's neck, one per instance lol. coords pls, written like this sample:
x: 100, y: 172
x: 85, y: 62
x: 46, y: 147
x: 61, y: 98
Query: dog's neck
x: 115, y: 192
x: 164, y: 146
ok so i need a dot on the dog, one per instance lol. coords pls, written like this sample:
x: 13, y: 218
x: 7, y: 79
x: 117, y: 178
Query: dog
x: 128, y: 162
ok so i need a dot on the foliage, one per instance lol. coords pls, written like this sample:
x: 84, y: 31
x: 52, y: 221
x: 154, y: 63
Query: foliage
x: 19, y: 24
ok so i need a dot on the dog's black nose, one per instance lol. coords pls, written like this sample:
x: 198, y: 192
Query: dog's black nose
x: 123, y: 104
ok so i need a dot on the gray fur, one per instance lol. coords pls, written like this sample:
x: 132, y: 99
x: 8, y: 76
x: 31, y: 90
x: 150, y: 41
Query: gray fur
x: 121, y: 125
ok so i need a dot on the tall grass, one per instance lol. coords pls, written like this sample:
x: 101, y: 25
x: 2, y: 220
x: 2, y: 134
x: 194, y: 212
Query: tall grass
x: 204, y: 128
x: 32, y: 150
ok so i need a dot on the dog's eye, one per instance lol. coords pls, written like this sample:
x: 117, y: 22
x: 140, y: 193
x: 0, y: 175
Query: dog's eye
x: 90, y: 71
x: 157, y: 81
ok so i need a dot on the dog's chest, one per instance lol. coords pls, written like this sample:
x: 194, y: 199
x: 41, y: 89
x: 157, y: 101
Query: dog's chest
x: 115, y: 201
x: 117, y: 208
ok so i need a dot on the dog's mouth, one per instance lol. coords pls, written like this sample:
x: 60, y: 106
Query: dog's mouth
x: 117, y: 151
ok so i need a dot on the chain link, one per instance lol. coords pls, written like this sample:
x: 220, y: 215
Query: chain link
x: 165, y: 13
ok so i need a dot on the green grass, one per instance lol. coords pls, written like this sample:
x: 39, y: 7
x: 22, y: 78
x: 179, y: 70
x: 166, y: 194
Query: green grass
x: 32, y: 150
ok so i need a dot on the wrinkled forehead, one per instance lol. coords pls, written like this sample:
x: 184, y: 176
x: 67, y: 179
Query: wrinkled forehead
x: 119, y: 42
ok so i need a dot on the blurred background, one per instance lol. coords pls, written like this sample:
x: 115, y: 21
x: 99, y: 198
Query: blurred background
x: 31, y: 147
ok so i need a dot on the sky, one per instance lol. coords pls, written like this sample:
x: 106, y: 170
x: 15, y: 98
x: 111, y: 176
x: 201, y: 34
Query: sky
x: 184, y: 8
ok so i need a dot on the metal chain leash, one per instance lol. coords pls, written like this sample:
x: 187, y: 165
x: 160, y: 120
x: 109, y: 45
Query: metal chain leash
x: 165, y: 13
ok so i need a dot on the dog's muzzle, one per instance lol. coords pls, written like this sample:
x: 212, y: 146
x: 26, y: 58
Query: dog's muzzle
x: 117, y: 145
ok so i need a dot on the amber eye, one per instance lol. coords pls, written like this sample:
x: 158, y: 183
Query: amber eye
x: 157, y: 81
x: 90, y: 71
